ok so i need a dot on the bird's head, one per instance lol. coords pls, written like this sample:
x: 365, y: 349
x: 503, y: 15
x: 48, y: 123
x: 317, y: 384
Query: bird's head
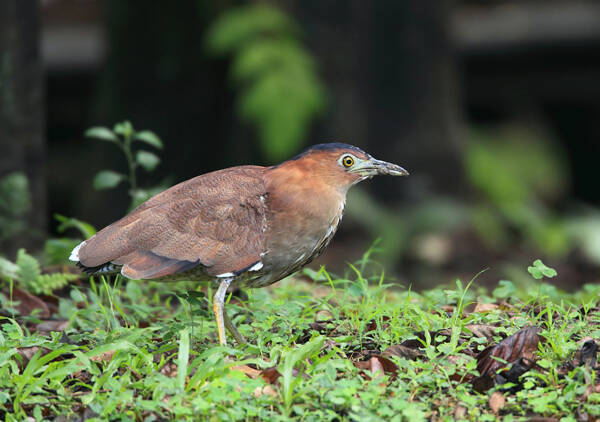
x: 342, y: 165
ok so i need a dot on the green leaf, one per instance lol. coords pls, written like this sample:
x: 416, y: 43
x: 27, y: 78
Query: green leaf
x: 47, y: 283
x: 505, y: 289
x: 149, y: 137
x: 57, y: 250
x: 86, y: 229
x: 107, y: 179
x: 290, y: 360
x: 183, y: 357
x: 29, y: 268
x: 8, y: 269
x: 124, y: 129
x: 539, y: 270
x: 280, y: 91
x: 241, y: 25
x: 139, y: 196
x: 147, y: 160
x: 102, y: 133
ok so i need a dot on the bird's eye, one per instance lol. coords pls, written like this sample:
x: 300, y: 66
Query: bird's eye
x: 348, y: 161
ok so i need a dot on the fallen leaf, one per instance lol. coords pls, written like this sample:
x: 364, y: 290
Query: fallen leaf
x: 323, y: 316
x: 372, y: 325
x: 522, y: 344
x: 448, y: 308
x: 460, y: 412
x: 587, y: 354
x: 518, y: 351
x: 27, y: 353
x: 403, y: 352
x: 485, y: 307
x: 482, y: 330
x: 169, y: 369
x: 28, y: 303
x: 270, y: 375
x: 497, y: 401
x: 377, y: 365
x: 52, y: 325
x: 251, y: 372
x: 103, y: 357
x: 266, y: 390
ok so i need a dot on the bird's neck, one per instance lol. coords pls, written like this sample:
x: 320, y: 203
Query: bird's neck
x: 301, y: 203
x: 293, y: 186
x: 303, y: 214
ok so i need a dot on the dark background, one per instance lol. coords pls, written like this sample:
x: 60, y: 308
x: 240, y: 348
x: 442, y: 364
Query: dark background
x: 432, y: 86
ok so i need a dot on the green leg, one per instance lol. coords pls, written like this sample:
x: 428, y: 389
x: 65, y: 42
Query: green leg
x: 234, y: 332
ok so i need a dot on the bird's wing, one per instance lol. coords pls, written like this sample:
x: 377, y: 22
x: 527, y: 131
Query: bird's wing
x: 216, y: 220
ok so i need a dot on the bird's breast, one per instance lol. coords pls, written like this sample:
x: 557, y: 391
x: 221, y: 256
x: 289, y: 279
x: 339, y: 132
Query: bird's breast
x: 300, y: 225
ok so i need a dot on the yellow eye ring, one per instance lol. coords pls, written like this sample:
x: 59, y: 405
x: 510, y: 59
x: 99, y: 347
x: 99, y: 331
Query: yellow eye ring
x: 348, y: 161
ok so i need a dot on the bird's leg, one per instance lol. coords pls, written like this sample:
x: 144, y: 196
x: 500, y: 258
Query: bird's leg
x: 234, y: 331
x: 219, y: 308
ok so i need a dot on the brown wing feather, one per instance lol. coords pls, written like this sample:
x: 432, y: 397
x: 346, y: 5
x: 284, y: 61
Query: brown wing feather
x: 215, y: 220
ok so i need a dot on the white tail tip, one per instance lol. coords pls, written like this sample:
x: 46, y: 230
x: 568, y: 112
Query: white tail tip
x: 75, y: 253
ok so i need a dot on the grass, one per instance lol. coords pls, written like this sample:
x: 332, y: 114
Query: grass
x: 131, y: 352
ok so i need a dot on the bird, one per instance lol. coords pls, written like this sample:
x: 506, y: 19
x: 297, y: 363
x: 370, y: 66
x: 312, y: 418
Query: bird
x: 245, y: 226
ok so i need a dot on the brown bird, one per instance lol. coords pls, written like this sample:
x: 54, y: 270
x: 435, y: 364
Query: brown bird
x: 248, y: 226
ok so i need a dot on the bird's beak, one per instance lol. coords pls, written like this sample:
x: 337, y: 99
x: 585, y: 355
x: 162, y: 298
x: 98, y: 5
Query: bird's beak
x: 373, y: 167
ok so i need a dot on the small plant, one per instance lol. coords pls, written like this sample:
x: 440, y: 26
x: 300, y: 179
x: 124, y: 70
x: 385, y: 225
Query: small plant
x: 539, y: 270
x: 27, y: 273
x: 124, y: 136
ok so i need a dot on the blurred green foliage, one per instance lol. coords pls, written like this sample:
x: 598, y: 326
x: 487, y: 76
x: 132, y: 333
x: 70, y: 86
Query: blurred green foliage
x: 514, y: 165
x: 57, y: 250
x: 279, y: 90
x: 15, y: 202
x: 27, y: 273
x: 517, y: 177
x: 517, y: 172
x: 584, y: 230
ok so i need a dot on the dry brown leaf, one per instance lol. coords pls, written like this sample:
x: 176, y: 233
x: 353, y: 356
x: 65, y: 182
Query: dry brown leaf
x: 586, y: 355
x: 482, y: 330
x: 497, y: 401
x: 270, y: 375
x: 376, y: 367
x: 402, y: 351
x: 485, y: 307
x: 251, y: 372
x: 52, y: 325
x: 103, y: 357
x: 522, y: 344
x: 323, y: 316
x: 28, y: 303
x: 266, y: 390
x: 372, y: 325
x: 460, y: 412
x: 27, y: 353
x: 169, y: 369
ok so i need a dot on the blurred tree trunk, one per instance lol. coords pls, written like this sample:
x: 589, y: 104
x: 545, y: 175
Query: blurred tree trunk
x: 22, y: 146
x: 391, y: 68
x: 416, y: 107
